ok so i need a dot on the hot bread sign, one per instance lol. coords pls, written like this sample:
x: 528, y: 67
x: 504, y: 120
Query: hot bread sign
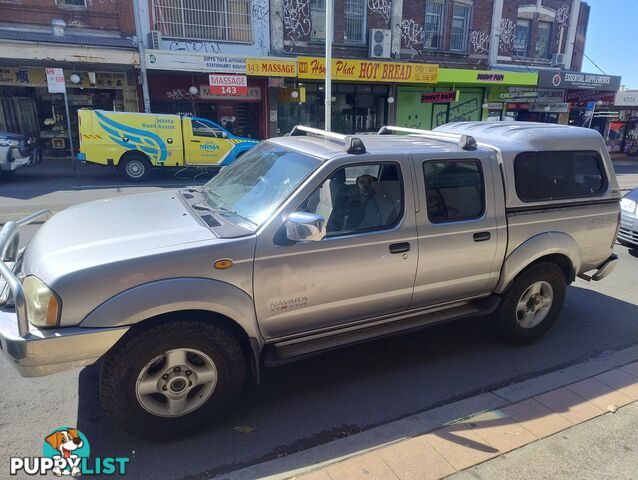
x: 229, y: 85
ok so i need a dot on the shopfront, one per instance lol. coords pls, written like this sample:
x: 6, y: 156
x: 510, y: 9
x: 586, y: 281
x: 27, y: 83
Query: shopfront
x: 528, y: 104
x: 190, y: 94
x: 179, y: 83
x: 584, y: 94
x: 459, y: 95
x: 363, y: 93
x: 616, y: 118
x: 27, y: 107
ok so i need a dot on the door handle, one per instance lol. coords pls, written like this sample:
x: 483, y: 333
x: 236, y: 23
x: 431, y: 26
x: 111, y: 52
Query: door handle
x: 196, y: 141
x: 482, y: 236
x: 400, y: 247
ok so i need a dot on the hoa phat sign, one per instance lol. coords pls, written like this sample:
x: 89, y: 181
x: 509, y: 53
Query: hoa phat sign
x: 368, y: 70
x: 577, y: 80
x: 228, y: 85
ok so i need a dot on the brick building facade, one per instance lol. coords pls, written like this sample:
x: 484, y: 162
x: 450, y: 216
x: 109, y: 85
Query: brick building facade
x: 115, y: 17
x: 452, y: 33
x: 92, y: 41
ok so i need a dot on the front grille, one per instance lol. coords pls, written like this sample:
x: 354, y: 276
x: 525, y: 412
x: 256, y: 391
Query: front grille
x: 628, y: 235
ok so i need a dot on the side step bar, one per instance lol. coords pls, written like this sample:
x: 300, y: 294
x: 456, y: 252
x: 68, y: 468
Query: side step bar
x: 289, y: 350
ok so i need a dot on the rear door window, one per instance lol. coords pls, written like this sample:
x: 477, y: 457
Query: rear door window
x: 454, y: 190
x: 543, y: 176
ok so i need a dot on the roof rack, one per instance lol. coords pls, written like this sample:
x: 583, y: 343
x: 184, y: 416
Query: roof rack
x: 466, y: 142
x: 352, y: 145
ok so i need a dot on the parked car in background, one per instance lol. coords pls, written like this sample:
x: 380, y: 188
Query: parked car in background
x: 17, y: 151
x: 308, y: 243
x: 628, y: 233
x: 137, y: 142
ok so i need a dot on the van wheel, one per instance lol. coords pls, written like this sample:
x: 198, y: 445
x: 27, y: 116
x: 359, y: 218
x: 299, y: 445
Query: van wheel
x: 173, y: 378
x: 135, y: 167
x: 532, y: 304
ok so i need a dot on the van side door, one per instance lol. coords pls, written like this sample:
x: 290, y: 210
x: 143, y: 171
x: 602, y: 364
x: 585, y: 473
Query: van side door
x: 458, y: 226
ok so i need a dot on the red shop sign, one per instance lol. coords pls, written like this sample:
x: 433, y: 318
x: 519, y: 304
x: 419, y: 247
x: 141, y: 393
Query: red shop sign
x: 228, y: 85
x: 440, y: 97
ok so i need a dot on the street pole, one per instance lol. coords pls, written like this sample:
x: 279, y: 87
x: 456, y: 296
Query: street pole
x: 140, y: 47
x: 328, y: 84
x: 68, y: 126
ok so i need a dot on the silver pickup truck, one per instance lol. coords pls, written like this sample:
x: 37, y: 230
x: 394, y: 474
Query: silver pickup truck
x: 307, y: 243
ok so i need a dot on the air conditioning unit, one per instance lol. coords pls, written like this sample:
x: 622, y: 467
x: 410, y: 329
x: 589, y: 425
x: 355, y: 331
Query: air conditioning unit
x: 155, y: 40
x: 558, y: 59
x: 380, y: 44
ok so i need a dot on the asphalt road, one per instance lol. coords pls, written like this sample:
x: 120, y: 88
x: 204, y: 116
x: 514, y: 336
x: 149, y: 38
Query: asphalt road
x: 314, y: 401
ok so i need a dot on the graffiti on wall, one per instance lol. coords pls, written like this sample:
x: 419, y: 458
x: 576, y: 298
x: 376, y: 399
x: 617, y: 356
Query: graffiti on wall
x: 195, y: 46
x: 180, y: 94
x: 260, y: 20
x: 412, y: 34
x: 297, y: 18
x: 506, y: 35
x: 562, y: 16
x: 480, y: 41
x: 381, y: 7
x: 459, y: 113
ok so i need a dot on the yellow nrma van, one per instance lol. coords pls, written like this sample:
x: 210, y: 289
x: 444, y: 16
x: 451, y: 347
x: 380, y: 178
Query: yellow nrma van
x: 137, y: 142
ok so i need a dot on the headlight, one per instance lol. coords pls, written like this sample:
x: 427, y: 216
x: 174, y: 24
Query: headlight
x: 43, y: 305
x: 628, y: 205
x: 6, y: 142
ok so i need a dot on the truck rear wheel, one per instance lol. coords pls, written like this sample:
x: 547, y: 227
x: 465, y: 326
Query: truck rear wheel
x: 532, y: 303
x: 135, y: 167
x: 172, y: 378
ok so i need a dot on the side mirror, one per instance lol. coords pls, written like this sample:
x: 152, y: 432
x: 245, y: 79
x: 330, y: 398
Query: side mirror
x: 304, y: 227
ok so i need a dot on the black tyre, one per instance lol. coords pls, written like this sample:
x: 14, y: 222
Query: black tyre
x: 532, y: 303
x: 172, y: 378
x: 135, y: 167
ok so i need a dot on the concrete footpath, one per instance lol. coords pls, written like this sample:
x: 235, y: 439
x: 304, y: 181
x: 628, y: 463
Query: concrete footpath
x: 599, y: 449
x: 579, y: 422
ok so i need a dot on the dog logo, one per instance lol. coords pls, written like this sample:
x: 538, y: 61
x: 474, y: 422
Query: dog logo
x: 66, y: 452
x: 66, y: 446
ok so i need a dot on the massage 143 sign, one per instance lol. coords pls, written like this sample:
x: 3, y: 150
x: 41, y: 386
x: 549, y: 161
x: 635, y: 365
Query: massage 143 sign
x: 228, y: 85
x: 368, y: 70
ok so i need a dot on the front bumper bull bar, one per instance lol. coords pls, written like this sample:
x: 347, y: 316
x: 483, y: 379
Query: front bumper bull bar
x: 35, y: 352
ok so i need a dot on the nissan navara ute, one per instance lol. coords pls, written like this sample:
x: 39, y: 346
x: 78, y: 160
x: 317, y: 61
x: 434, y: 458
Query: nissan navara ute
x: 307, y: 243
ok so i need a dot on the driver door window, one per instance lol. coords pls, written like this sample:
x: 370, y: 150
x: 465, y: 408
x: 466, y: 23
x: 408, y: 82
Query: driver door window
x: 204, y: 129
x: 358, y: 198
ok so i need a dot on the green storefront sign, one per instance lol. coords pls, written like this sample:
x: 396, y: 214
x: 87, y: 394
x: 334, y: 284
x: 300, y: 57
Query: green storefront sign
x: 473, y: 86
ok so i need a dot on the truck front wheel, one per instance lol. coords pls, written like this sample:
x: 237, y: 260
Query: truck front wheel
x: 532, y: 303
x: 172, y: 378
x: 135, y: 167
